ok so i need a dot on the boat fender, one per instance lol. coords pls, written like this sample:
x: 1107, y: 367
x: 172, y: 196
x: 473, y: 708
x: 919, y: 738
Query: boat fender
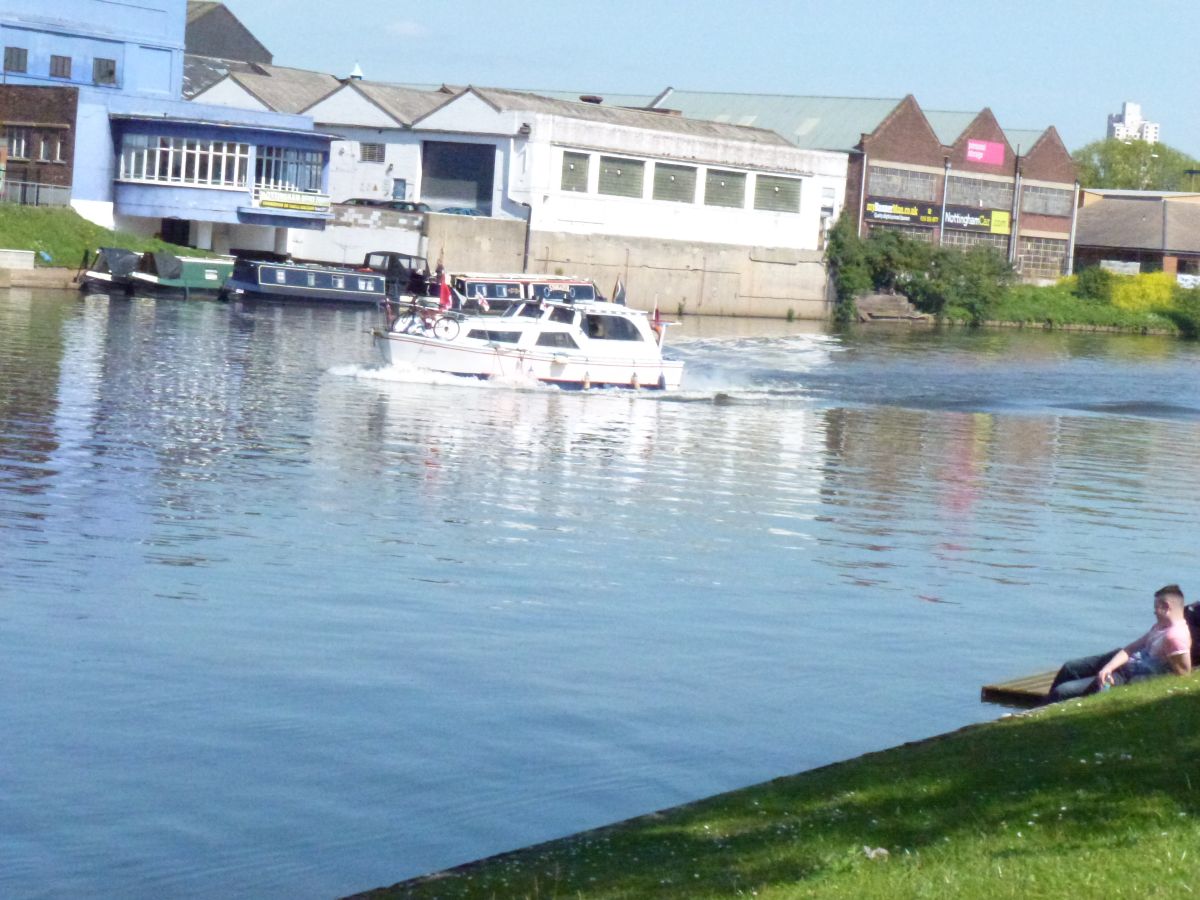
x: 587, y: 380
x: 634, y: 384
x: 662, y: 381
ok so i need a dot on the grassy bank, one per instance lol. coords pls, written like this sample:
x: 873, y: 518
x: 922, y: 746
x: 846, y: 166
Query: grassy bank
x: 1058, y: 306
x: 62, y: 235
x: 1098, y: 798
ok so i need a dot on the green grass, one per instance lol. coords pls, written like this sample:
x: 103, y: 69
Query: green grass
x: 63, y: 235
x: 1095, y: 798
x: 1057, y: 306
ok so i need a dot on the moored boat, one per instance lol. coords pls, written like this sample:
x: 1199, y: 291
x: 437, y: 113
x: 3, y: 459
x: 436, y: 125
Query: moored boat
x: 261, y: 279
x: 117, y: 270
x: 165, y: 273
x: 586, y: 345
x: 110, y: 270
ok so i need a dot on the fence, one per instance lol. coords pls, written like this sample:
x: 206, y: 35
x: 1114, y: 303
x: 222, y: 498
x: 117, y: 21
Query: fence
x: 31, y: 193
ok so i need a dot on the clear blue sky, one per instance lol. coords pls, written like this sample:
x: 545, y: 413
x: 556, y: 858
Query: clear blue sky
x: 1036, y: 63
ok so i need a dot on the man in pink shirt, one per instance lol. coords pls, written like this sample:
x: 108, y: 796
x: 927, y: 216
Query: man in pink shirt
x: 1164, y: 649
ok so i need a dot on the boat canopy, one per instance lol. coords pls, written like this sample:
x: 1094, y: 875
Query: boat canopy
x: 116, y: 261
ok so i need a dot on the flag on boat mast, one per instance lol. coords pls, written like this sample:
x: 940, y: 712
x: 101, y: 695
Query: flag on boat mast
x: 619, y: 291
x: 656, y: 323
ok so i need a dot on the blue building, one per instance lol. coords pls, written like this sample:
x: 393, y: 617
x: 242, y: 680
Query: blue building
x: 144, y: 159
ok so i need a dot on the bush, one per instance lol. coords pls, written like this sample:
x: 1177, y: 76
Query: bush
x: 1094, y: 284
x: 1185, y: 312
x: 1153, y: 291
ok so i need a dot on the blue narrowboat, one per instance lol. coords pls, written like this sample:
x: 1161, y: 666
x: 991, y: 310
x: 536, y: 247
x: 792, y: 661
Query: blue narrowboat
x: 272, y: 280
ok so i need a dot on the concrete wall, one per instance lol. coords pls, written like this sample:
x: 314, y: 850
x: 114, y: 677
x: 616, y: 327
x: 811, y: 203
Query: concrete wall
x: 681, y: 277
x: 356, y: 231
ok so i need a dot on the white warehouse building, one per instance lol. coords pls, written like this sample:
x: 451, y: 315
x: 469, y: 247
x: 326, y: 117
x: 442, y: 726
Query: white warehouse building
x: 599, y: 190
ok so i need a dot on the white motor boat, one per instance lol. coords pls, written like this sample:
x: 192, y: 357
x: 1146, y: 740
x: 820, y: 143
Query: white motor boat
x: 572, y: 345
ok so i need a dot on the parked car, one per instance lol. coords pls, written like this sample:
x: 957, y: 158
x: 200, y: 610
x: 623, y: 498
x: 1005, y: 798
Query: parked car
x: 462, y: 211
x: 409, y: 206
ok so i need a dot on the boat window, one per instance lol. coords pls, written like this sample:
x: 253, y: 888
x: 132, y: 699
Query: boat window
x: 281, y: 276
x: 557, y: 339
x: 339, y: 282
x: 491, y: 290
x: 572, y: 293
x: 498, y: 337
x: 366, y: 284
x: 562, y: 314
x: 531, y: 311
x: 312, y: 279
x: 612, y: 328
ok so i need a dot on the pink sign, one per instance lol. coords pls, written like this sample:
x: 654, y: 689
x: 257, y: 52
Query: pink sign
x: 987, y: 152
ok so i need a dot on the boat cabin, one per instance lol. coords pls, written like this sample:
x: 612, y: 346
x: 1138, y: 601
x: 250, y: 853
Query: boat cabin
x: 501, y: 291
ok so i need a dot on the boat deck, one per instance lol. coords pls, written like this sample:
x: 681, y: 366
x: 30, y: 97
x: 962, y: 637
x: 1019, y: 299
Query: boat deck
x: 1028, y: 691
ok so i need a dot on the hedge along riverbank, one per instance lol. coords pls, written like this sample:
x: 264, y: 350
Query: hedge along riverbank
x: 1095, y: 798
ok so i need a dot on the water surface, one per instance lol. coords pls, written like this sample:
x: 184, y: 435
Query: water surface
x: 276, y: 622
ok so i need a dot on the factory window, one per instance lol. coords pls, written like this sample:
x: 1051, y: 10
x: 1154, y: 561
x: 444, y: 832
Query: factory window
x: 777, y: 194
x: 903, y: 184
x: 104, y: 71
x: 60, y: 67
x: 371, y: 152
x: 1047, y: 201
x: 575, y: 172
x: 980, y: 193
x: 676, y: 183
x: 621, y: 177
x: 723, y: 188
x: 16, y: 59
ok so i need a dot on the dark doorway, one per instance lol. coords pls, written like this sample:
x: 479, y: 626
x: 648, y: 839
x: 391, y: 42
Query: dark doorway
x: 177, y: 231
x: 459, y: 176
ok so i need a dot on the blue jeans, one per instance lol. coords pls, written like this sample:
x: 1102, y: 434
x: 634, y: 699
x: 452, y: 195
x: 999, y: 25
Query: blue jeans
x: 1078, y: 677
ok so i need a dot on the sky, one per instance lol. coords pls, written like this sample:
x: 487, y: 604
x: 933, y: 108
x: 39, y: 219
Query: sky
x: 1035, y: 63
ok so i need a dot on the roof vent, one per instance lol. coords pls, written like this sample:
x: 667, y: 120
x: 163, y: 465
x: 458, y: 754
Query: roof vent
x: 592, y: 98
x: 357, y: 74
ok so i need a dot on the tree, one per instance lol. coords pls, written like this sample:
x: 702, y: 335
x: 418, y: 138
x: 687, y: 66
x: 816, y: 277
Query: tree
x: 1134, y: 165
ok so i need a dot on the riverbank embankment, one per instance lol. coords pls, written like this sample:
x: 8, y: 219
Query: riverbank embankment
x: 1087, y: 799
x: 49, y: 278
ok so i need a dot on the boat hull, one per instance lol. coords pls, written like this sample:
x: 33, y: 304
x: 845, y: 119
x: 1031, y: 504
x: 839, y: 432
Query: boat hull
x: 565, y: 369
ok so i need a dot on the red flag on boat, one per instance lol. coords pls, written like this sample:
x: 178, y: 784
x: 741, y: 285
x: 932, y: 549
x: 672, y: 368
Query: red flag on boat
x: 443, y: 293
x: 656, y: 322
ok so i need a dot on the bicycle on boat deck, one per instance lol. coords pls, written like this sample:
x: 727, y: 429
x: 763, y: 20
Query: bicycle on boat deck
x: 424, y: 318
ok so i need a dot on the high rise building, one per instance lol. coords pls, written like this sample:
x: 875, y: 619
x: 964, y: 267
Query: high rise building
x: 1128, y: 125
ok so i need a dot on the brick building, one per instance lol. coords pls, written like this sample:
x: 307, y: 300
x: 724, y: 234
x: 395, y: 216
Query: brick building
x: 931, y: 178
x: 39, y: 135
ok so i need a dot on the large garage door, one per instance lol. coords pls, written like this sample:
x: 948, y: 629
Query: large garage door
x: 458, y: 175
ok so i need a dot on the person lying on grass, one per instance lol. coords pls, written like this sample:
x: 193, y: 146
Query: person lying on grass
x: 1164, y: 649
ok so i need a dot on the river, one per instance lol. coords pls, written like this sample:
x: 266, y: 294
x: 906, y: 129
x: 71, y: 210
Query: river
x: 277, y: 622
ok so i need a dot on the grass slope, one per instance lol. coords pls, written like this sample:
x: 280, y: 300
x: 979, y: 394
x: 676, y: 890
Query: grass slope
x: 1095, y: 798
x: 63, y: 235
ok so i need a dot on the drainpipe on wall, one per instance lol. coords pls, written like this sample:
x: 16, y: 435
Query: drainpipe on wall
x: 1013, y: 239
x: 945, y: 190
x: 528, y: 228
x: 1071, y: 239
x: 862, y: 194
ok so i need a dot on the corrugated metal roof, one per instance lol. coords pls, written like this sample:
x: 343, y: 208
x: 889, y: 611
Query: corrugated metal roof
x: 615, y: 115
x: 404, y: 104
x: 814, y: 123
x: 286, y: 90
x: 822, y: 123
